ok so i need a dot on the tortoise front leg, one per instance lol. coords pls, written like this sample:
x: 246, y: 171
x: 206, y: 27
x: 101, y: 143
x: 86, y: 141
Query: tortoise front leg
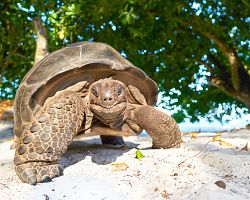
x: 162, y: 128
x: 47, y: 138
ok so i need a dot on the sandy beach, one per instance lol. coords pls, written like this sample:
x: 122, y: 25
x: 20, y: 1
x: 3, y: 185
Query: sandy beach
x: 94, y: 171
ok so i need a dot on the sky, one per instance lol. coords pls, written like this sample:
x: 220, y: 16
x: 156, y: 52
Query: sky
x: 228, y: 123
x: 205, y: 126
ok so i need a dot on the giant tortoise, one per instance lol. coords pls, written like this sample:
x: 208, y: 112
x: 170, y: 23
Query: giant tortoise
x: 86, y: 88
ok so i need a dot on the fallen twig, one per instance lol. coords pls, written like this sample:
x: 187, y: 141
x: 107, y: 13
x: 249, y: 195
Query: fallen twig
x: 196, y: 154
x: 4, y: 185
x: 245, y: 148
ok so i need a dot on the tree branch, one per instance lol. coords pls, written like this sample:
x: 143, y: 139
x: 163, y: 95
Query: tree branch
x: 236, y: 66
x: 222, y: 69
x: 223, y: 86
x: 234, y: 61
x: 244, y: 97
x: 41, y: 40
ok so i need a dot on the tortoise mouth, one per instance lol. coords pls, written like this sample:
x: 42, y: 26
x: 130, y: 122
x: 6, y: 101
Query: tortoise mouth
x: 108, y: 114
x: 108, y: 107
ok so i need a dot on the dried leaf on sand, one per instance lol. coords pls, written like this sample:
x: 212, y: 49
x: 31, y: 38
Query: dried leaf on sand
x: 119, y: 166
x: 245, y: 148
x: 217, y: 138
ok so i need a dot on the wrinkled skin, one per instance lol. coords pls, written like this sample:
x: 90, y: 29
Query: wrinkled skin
x: 62, y: 117
x: 108, y: 101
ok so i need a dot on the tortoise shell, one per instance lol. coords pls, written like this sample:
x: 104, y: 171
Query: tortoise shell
x: 84, y: 61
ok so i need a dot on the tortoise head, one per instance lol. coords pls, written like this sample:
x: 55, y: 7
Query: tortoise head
x: 108, y: 100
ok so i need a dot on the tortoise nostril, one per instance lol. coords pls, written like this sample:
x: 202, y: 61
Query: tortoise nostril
x: 107, y: 99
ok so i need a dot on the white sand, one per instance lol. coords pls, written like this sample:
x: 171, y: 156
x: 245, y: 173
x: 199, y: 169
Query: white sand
x: 89, y: 173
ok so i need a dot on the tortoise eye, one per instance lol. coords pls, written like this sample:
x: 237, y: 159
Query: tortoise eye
x: 94, y: 92
x: 120, y: 90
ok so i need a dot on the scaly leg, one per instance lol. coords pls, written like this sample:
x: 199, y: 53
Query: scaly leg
x: 47, y: 137
x: 162, y: 128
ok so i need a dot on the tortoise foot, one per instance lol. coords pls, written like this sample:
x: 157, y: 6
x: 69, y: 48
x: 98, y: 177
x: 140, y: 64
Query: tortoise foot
x: 162, y: 128
x: 38, y: 172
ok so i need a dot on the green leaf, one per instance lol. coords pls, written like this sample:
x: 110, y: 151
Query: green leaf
x: 139, y: 154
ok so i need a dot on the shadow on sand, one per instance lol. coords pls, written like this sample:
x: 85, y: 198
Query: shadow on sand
x: 99, y: 153
x: 6, y: 131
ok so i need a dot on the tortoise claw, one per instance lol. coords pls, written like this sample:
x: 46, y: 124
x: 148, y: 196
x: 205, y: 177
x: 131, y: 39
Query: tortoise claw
x: 46, y: 179
x: 33, y: 173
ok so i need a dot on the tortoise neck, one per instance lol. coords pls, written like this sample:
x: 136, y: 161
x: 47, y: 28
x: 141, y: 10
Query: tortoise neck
x: 116, y: 122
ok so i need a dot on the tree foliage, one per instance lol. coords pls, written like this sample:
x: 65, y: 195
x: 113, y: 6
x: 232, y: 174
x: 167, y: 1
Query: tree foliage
x: 197, y: 51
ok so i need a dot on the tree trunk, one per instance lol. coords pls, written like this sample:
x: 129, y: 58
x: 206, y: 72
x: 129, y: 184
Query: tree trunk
x: 233, y: 60
x: 41, y: 40
x: 233, y: 79
x: 236, y: 83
